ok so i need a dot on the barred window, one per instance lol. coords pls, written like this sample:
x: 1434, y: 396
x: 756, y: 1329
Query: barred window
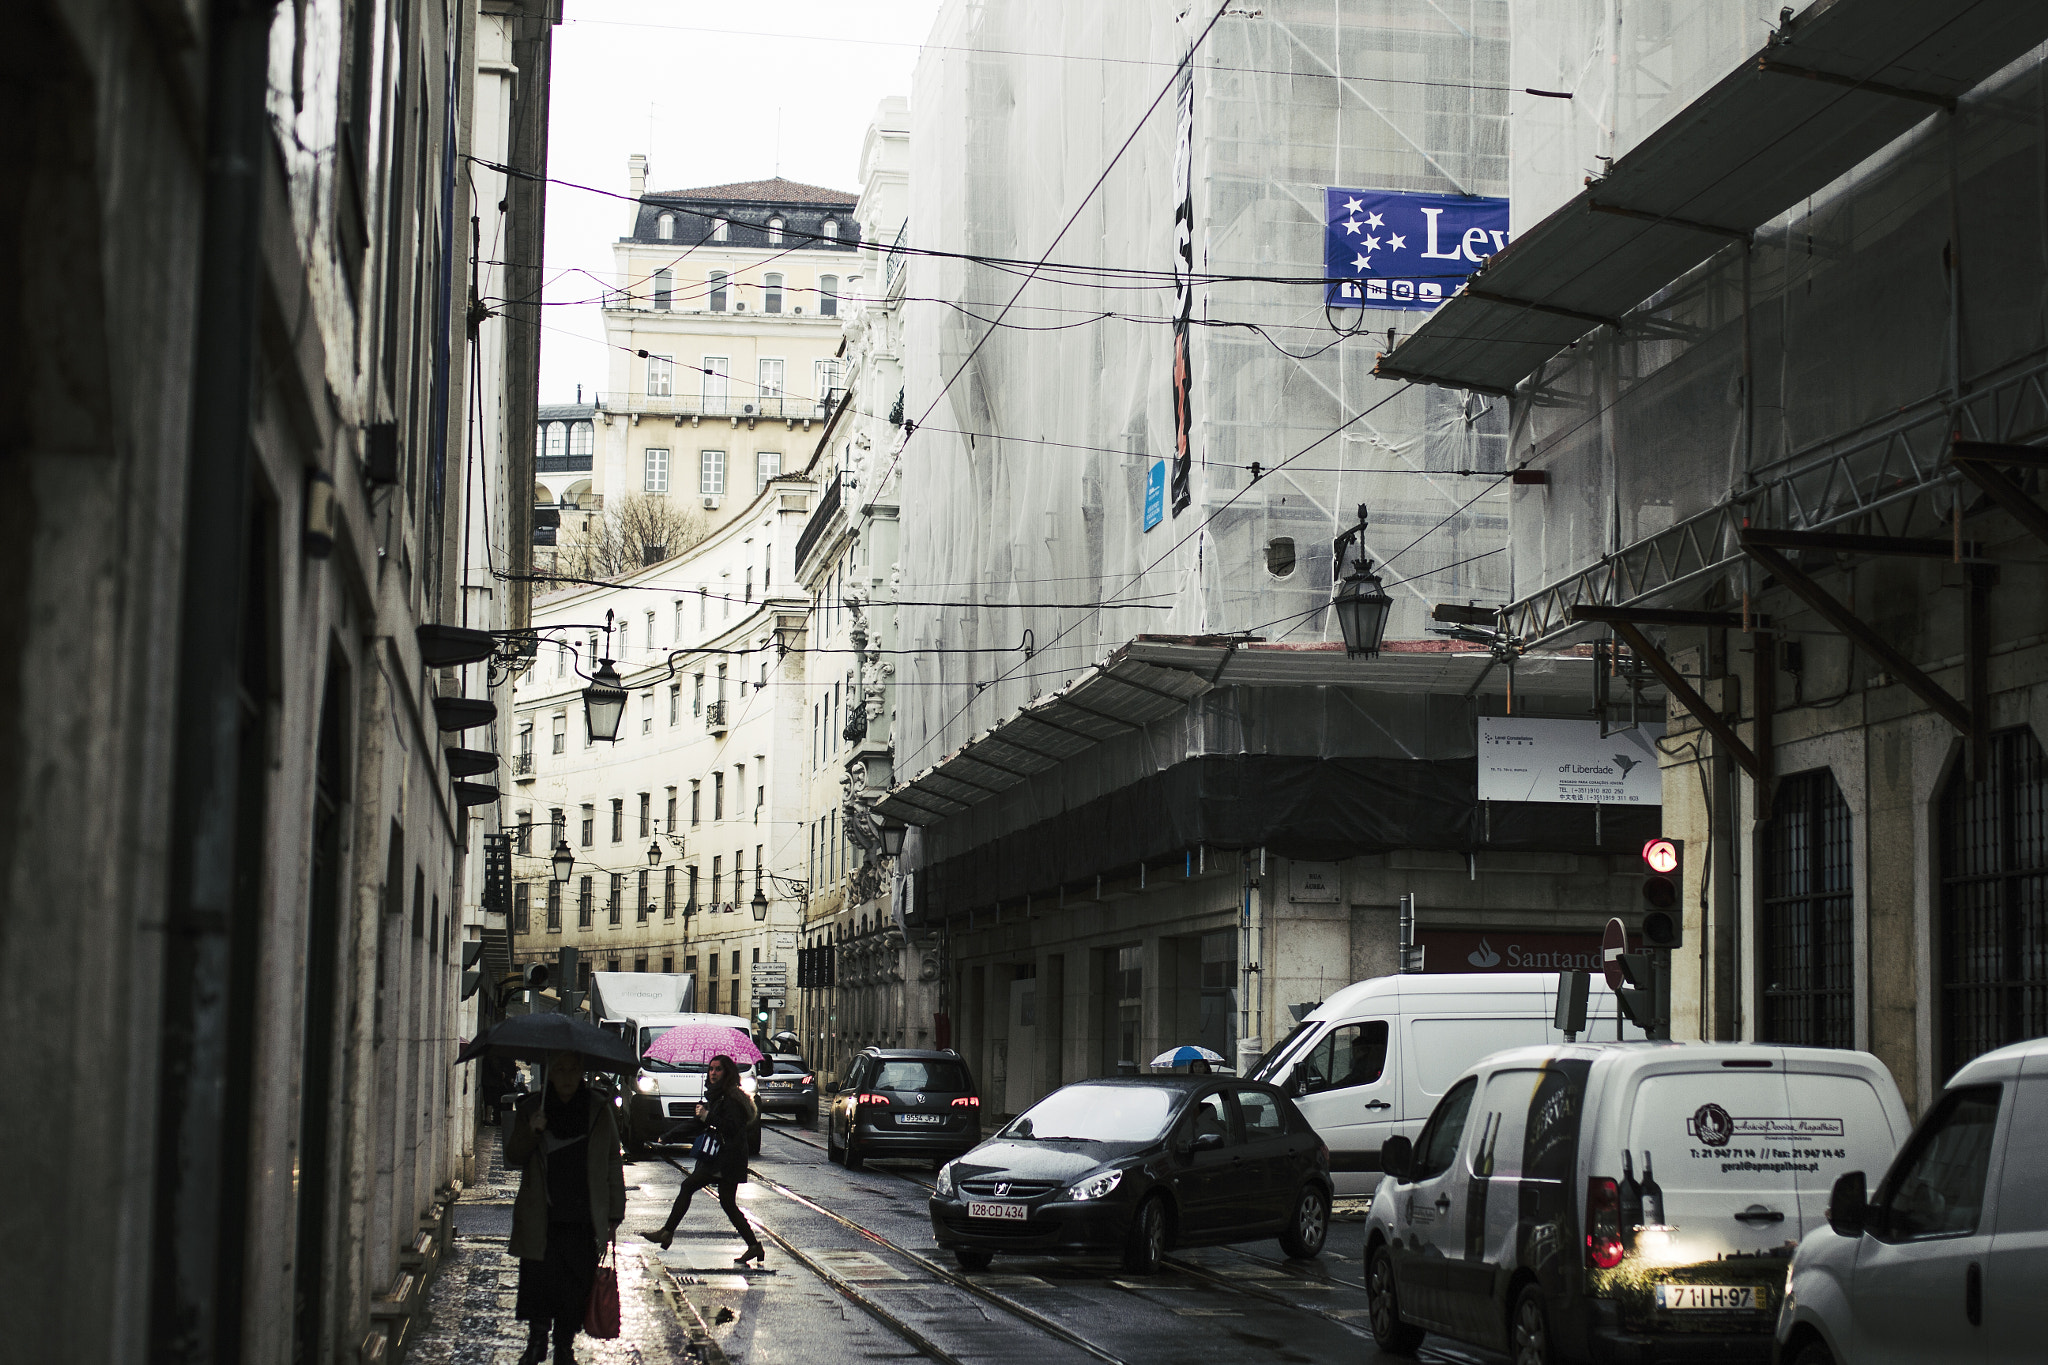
x: 583, y: 904
x: 1993, y: 935
x: 522, y: 901
x: 618, y: 891
x: 554, y: 905
x: 1805, y: 944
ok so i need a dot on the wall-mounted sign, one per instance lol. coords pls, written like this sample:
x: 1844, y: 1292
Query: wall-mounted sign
x: 1568, y: 761
x: 1155, y: 493
x: 1385, y: 249
x: 1508, y: 950
x: 1313, y: 882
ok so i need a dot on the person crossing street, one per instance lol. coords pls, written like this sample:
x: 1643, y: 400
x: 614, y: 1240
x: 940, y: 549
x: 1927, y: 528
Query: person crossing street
x: 727, y: 1113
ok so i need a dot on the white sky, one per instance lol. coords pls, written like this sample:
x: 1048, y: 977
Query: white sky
x: 697, y: 86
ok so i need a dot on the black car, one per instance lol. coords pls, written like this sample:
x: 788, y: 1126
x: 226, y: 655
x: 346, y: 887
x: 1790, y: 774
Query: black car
x: 903, y: 1102
x: 785, y: 1084
x: 1133, y: 1166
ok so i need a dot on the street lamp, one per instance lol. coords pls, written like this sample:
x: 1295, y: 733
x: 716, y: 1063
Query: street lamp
x: 604, y: 703
x: 759, y: 905
x: 1362, y: 603
x: 892, y: 831
x: 654, y: 852
x: 564, y: 863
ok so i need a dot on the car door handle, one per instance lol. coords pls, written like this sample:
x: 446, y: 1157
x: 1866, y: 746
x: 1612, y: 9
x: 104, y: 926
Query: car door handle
x: 1443, y: 1203
x: 1973, y: 1294
x: 1757, y: 1213
x: 1378, y: 1104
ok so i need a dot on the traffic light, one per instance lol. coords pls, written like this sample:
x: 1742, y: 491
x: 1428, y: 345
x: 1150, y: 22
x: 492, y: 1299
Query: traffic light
x: 1663, y: 911
x: 472, y: 977
x: 535, y: 977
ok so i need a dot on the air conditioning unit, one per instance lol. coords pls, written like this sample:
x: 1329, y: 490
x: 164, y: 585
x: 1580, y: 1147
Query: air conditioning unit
x: 747, y: 410
x: 798, y: 309
x: 711, y: 501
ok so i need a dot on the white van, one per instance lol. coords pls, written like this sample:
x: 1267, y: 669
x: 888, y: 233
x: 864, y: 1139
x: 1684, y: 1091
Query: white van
x: 665, y: 1093
x: 1948, y: 1260
x: 1371, y: 1061
x: 1619, y: 1201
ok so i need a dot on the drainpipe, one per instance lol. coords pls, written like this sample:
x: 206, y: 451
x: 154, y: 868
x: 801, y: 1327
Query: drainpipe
x: 200, y: 1194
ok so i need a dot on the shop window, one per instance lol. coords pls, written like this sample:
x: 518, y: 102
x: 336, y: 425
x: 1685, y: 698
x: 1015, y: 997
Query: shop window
x: 1993, y: 931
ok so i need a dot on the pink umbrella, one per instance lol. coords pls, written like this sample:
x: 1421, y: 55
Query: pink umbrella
x: 699, y: 1043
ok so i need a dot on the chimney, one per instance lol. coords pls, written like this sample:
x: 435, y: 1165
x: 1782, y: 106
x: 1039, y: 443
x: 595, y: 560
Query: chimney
x: 636, y: 184
x: 579, y: 395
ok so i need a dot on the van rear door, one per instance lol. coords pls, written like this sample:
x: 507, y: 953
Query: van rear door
x: 1704, y: 1134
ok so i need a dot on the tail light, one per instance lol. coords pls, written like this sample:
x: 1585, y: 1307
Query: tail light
x: 967, y: 1102
x: 1603, y: 1224
x: 810, y: 1080
x: 869, y: 1097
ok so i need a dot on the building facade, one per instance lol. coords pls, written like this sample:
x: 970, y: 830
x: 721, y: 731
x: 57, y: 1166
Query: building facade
x: 240, y: 811
x: 725, y: 332
x: 694, y: 812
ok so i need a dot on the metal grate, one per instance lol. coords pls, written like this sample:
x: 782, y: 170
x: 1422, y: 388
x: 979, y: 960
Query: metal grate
x: 1809, y: 992
x: 1994, y: 902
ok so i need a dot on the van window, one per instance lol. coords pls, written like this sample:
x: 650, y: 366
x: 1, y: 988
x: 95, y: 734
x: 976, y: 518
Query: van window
x: 1938, y: 1189
x: 1550, y: 1145
x: 1509, y: 1095
x: 1443, y: 1048
x: 2023, y: 1185
x: 1349, y: 1055
x: 1439, y: 1140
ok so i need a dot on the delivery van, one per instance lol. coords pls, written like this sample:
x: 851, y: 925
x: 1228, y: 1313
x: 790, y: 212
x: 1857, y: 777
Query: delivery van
x: 1371, y: 1061
x: 666, y: 1093
x: 1619, y: 1201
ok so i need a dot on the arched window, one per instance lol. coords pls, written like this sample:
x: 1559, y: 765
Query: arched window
x: 775, y: 232
x: 664, y: 289
x: 581, y: 438
x: 771, y: 292
x: 1994, y: 902
x: 718, y: 291
x: 1805, y: 954
x: 665, y: 227
x: 720, y: 230
x: 828, y: 295
x: 557, y: 436
x: 830, y: 231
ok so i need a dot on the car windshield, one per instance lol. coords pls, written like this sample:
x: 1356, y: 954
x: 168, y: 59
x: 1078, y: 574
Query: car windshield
x: 788, y: 1063
x: 647, y: 1037
x: 1269, y: 1065
x: 1097, y: 1113
x: 905, y: 1074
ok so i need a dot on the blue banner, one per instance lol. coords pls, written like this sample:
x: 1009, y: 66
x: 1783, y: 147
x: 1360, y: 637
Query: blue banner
x: 1155, y: 493
x: 1387, y: 249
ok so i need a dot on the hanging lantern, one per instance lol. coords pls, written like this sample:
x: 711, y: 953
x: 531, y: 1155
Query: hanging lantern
x: 604, y: 703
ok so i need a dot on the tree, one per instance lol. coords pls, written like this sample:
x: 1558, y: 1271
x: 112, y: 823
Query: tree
x: 633, y: 531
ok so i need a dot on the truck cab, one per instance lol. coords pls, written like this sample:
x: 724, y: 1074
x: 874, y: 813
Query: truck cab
x: 667, y: 1093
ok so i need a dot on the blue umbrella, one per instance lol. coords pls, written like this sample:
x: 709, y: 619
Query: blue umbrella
x: 1184, y: 1054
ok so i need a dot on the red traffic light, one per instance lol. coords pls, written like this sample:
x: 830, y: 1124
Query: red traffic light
x: 1661, y: 855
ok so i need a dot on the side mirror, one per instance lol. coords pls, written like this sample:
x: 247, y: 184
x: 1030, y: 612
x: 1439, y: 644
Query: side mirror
x: 1849, y: 1205
x: 1207, y: 1142
x: 1397, y: 1154
x: 764, y: 1067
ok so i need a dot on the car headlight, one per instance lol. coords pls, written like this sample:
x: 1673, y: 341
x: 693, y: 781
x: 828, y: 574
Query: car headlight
x: 747, y: 1082
x: 646, y: 1084
x: 1095, y: 1186
x: 944, y: 1184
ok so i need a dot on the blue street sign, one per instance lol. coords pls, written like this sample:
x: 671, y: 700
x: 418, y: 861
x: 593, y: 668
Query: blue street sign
x: 1384, y: 249
x: 1155, y: 493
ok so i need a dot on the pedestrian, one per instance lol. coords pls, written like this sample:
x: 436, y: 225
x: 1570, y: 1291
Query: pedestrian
x: 572, y: 1198
x: 1199, y: 1067
x: 727, y: 1114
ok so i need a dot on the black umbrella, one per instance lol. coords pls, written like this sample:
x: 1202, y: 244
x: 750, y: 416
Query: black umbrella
x: 532, y: 1037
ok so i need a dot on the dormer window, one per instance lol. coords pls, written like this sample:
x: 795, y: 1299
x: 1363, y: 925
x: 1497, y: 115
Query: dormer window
x: 775, y: 232
x: 665, y: 227
x: 831, y: 230
x: 720, y: 230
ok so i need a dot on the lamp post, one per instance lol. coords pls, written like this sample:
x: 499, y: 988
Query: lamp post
x: 654, y: 853
x: 1362, y: 603
x: 759, y: 905
x: 564, y: 862
x: 604, y: 701
x: 892, y: 831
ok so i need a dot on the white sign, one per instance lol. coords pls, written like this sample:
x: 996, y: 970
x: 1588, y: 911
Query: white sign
x: 1567, y: 760
x: 1312, y: 882
x: 785, y: 939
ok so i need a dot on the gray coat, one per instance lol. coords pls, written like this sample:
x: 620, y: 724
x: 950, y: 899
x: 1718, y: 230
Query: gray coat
x: 524, y: 1149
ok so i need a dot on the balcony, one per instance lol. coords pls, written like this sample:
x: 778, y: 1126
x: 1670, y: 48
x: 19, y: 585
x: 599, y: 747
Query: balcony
x: 774, y: 406
x: 815, y: 527
x: 714, y: 718
x: 522, y: 767
x: 561, y: 464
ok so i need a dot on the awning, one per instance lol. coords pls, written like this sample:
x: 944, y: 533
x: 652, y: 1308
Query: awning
x: 1155, y: 676
x: 1839, y: 83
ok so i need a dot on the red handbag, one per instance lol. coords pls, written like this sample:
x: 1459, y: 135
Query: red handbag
x: 601, y: 1314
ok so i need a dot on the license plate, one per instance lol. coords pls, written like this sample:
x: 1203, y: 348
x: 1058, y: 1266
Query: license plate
x: 981, y: 1208
x: 1721, y: 1297
x: 920, y: 1118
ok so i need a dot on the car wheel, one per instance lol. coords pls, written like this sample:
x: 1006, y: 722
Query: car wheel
x: 973, y: 1260
x: 1304, y: 1236
x: 832, y: 1153
x: 852, y: 1159
x: 1145, y: 1247
x: 1389, y: 1333
x: 1529, y: 1329
x: 1815, y: 1353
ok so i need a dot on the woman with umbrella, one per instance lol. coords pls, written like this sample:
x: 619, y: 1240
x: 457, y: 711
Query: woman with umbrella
x: 727, y: 1114
x: 572, y: 1198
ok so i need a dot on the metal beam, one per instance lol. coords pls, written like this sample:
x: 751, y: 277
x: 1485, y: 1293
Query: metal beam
x: 1598, y: 319
x: 1763, y: 691
x: 1675, y: 683
x: 1976, y: 662
x: 1846, y: 621
x: 1921, y: 547
x: 1897, y: 92
x: 1647, y: 216
x: 1996, y: 452
x: 2005, y: 490
x: 1664, y: 616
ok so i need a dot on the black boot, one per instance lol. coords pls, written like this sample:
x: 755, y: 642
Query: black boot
x: 536, y: 1343
x: 565, y: 1340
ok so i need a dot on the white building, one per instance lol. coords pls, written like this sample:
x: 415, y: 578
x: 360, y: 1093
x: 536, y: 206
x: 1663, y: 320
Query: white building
x: 696, y: 807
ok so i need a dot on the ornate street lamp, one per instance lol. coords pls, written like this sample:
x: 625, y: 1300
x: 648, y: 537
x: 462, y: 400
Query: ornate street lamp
x: 564, y: 863
x: 759, y: 905
x: 1362, y: 603
x: 892, y: 831
x: 654, y: 852
x: 604, y: 703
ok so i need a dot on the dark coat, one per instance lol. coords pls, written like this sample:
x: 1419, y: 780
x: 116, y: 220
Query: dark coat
x: 525, y: 1150
x: 730, y: 1116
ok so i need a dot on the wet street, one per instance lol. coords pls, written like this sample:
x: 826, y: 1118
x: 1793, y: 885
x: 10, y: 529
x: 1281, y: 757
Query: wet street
x: 854, y: 1274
